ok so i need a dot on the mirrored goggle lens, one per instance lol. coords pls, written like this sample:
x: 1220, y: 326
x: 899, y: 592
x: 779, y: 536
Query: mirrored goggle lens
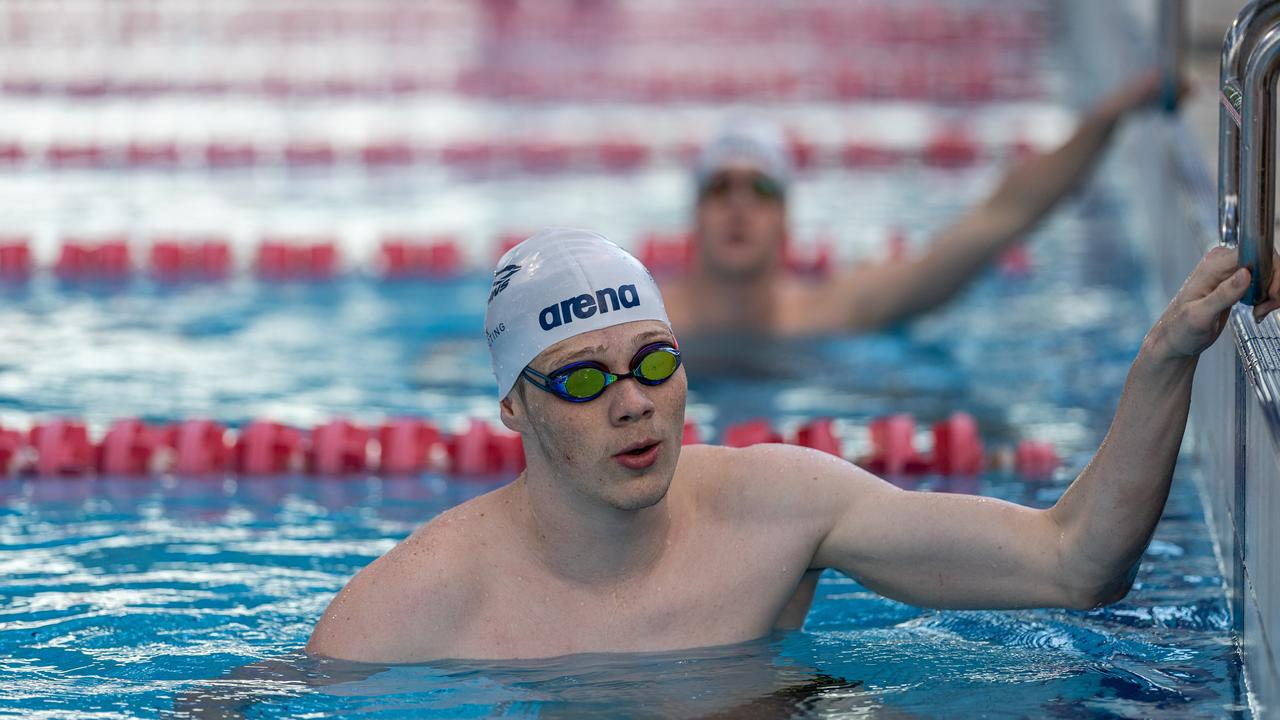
x: 584, y: 383
x: 657, y: 366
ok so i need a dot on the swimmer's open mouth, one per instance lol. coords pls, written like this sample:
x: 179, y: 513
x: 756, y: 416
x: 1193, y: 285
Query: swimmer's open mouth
x: 640, y: 448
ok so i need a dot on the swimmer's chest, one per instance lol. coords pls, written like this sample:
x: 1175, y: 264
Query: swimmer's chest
x: 700, y: 598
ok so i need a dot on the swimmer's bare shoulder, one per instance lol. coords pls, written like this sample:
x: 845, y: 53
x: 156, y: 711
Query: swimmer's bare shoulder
x: 415, y: 602
x: 794, y: 490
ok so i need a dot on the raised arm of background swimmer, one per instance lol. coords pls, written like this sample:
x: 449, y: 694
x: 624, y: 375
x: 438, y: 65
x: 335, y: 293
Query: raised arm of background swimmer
x: 884, y: 293
x: 944, y: 550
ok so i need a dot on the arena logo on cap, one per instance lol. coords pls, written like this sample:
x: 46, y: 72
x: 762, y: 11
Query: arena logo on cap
x: 584, y: 306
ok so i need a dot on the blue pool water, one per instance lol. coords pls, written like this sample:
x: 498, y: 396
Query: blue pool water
x: 121, y: 594
x: 128, y: 597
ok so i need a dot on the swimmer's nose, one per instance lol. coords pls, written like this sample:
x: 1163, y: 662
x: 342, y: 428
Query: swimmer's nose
x: 740, y: 197
x: 632, y: 403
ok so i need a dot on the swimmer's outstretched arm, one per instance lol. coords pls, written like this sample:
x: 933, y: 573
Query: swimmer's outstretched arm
x: 877, y: 295
x: 1108, y: 514
x: 958, y: 551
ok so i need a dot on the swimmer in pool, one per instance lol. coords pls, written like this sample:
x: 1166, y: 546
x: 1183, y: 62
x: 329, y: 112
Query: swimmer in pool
x: 738, y: 281
x: 617, y: 539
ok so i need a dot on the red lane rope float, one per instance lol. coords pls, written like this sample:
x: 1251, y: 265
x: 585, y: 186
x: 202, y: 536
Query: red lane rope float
x: 15, y: 257
x: 422, y: 256
x: 950, y: 146
x: 671, y: 253
x: 429, y: 256
x: 957, y: 448
x: 296, y: 258
x: 86, y: 257
x: 190, y: 258
x: 410, y: 446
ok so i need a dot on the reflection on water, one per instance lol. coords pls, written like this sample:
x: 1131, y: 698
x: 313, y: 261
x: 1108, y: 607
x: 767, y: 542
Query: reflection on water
x: 752, y: 680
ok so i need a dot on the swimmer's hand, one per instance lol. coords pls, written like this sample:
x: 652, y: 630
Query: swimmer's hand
x: 1198, y: 313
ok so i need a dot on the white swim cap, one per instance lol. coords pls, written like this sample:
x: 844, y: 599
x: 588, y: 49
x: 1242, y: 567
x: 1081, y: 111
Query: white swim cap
x: 559, y: 283
x: 754, y: 141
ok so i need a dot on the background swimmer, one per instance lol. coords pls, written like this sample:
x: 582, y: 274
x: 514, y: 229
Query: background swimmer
x: 738, y: 281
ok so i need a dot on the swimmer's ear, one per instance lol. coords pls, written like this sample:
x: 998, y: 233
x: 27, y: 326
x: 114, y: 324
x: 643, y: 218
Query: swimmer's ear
x: 511, y: 411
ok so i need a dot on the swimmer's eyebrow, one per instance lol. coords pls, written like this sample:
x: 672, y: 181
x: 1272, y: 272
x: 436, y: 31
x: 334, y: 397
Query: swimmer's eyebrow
x: 598, y: 350
x: 584, y: 352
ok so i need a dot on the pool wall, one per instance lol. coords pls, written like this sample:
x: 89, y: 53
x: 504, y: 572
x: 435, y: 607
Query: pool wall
x: 1236, y: 436
x: 1234, y: 432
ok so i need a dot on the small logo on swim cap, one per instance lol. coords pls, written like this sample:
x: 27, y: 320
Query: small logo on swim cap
x: 501, y: 278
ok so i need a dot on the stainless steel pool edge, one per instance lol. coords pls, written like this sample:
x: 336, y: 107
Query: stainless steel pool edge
x: 1235, y: 427
x: 1258, y: 345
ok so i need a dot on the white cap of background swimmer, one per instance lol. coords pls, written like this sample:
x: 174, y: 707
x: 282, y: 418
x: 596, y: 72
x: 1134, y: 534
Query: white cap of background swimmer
x: 559, y: 283
x: 750, y: 140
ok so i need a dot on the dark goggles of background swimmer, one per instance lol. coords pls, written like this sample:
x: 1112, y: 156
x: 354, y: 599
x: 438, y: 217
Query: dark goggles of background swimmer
x: 721, y: 185
x: 586, y: 380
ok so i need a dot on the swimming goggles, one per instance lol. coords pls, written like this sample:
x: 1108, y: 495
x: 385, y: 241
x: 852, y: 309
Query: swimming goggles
x: 586, y: 380
x: 722, y: 185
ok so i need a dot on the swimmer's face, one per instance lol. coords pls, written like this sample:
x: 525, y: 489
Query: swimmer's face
x: 584, y: 446
x: 741, y: 222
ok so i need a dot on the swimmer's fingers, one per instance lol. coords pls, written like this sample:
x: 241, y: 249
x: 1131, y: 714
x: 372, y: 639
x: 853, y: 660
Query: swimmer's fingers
x: 1216, y: 266
x: 1208, y: 309
x: 1196, y: 317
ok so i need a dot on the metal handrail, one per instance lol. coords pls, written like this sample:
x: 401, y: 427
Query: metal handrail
x: 1246, y: 140
x: 1236, y: 45
x: 1257, y: 148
